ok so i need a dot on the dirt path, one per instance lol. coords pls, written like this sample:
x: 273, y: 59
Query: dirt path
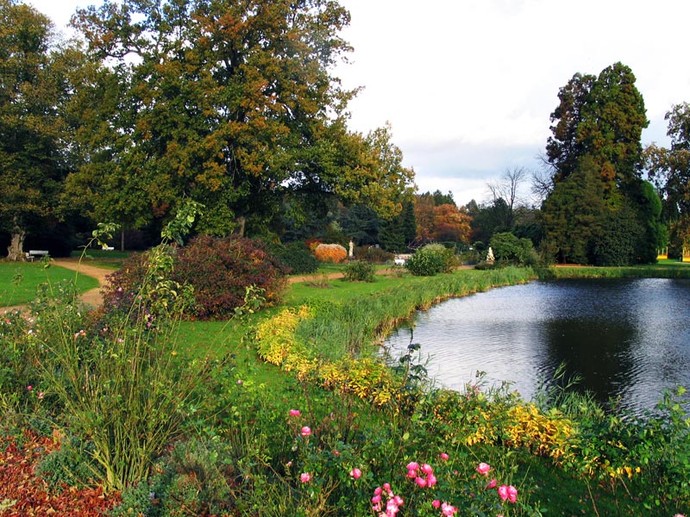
x: 92, y: 297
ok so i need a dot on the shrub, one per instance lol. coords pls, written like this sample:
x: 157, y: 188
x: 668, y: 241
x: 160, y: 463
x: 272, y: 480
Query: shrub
x: 295, y: 256
x: 334, y: 253
x: 509, y: 249
x: 373, y: 254
x: 359, y: 271
x: 221, y: 270
x: 431, y: 260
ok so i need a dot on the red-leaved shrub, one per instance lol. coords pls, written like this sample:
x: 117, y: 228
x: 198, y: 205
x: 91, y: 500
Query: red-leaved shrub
x: 220, y: 270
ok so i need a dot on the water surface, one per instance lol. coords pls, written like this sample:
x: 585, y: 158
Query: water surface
x: 627, y: 339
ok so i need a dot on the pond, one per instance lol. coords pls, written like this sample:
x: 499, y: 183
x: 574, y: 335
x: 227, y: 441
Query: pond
x: 628, y: 340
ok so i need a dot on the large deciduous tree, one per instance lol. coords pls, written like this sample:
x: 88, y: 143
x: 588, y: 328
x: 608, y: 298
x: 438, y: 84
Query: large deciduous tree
x: 231, y: 104
x: 596, y: 156
x: 32, y: 165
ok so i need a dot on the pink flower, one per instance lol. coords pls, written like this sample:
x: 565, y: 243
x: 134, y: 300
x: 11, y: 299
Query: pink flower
x: 356, y: 473
x: 503, y: 492
x: 448, y: 510
x: 512, y: 494
x: 306, y: 431
x: 430, y: 480
x: 444, y: 456
x: 295, y: 412
x: 305, y: 477
x: 29, y: 387
x: 40, y: 395
x: 413, y: 465
x: 426, y: 468
x: 421, y: 482
x: 376, y: 499
x: 491, y: 484
x: 387, y: 488
x: 483, y: 468
x: 436, y: 503
x: 411, y: 474
x: 398, y: 500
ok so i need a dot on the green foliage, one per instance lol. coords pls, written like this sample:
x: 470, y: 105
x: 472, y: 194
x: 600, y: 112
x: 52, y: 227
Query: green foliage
x: 509, y: 249
x: 69, y: 466
x: 431, y: 260
x: 373, y: 254
x: 295, y: 256
x: 359, y: 271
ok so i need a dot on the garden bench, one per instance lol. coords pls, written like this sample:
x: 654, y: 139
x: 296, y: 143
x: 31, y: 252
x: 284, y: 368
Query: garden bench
x: 32, y: 254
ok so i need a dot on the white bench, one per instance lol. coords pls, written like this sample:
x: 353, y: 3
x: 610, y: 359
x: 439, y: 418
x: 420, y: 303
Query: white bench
x: 32, y: 254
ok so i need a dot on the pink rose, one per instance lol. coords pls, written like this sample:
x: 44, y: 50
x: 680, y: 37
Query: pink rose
x: 491, y: 484
x: 503, y: 492
x: 376, y: 499
x: 426, y: 468
x: 413, y: 465
x: 421, y: 482
x: 306, y: 431
x: 483, y: 468
x: 411, y: 474
x: 512, y: 494
x: 436, y: 503
x: 430, y: 480
x: 448, y: 510
x: 398, y: 500
x: 356, y: 473
x: 295, y: 412
x: 444, y: 456
x: 305, y: 477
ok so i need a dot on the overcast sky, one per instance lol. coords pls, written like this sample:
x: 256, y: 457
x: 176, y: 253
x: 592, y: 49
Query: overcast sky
x: 468, y: 85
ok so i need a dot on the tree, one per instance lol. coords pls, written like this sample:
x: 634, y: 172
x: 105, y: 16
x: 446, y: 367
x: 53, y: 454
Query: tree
x: 32, y: 164
x: 451, y: 224
x: 507, y: 189
x: 669, y: 169
x: 602, y: 118
x: 596, y: 141
x: 232, y: 104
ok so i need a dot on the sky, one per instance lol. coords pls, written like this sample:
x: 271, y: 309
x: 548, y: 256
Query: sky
x: 468, y: 85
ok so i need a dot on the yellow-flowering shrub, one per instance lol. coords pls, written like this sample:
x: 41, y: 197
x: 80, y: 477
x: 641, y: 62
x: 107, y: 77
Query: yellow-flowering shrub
x: 367, y: 378
x: 334, y: 253
x: 543, y: 435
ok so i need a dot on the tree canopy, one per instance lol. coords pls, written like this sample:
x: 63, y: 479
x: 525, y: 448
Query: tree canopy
x: 32, y: 147
x: 230, y: 104
x: 598, y: 196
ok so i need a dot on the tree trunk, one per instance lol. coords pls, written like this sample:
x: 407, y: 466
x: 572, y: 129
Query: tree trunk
x: 122, y: 239
x: 15, y: 250
x: 242, y: 222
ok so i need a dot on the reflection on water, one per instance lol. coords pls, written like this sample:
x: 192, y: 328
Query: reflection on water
x: 625, y: 338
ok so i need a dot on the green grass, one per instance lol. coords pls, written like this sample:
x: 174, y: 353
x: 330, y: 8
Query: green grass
x: 112, y: 260
x: 662, y: 269
x: 19, y: 281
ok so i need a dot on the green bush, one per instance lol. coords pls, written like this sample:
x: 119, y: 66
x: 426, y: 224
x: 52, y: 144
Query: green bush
x: 296, y: 257
x: 359, y: 271
x: 509, y: 249
x: 431, y: 260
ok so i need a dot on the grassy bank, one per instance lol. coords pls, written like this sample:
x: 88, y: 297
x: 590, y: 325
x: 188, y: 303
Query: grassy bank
x: 663, y: 269
x: 317, y: 425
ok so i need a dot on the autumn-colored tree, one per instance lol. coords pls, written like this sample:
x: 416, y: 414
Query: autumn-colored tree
x: 451, y: 224
x: 231, y: 104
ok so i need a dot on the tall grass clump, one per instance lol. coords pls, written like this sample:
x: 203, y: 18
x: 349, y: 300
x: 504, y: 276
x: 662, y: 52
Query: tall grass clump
x: 118, y: 378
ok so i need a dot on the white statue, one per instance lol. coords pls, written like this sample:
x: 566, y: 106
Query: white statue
x: 490, y: 256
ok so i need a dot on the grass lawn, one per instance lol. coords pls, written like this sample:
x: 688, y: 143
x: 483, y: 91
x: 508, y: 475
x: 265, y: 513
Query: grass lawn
x: 102, y: 258
x: 19, y: 280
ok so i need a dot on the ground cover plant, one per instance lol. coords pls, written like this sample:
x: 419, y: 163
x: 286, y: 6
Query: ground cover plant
x: 19, y: 281
x: 328, y: 429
